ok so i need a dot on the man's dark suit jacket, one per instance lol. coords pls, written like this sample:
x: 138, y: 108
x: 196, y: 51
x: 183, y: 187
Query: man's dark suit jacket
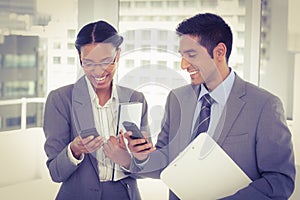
x: 79, y: 182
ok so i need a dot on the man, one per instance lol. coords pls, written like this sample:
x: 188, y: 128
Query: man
x: 246, y: 121
x: 80, y: 123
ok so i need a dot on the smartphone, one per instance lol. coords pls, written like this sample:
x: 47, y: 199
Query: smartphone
x: 87, y: 132
x: 136, y: 133
x: 130, y: 126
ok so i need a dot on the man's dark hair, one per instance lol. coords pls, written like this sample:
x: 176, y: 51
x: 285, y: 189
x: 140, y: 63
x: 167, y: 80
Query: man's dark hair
x: 211, y: 30
x: 95, y: 32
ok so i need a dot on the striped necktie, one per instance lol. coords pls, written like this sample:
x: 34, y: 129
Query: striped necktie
x: 203, y: 119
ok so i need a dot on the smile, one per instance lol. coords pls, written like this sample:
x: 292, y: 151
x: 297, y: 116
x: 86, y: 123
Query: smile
x: 100, y: 79
x: 193, y: 72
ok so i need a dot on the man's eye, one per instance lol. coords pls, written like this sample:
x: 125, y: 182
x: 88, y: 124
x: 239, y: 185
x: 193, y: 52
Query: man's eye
x: 192, y: 55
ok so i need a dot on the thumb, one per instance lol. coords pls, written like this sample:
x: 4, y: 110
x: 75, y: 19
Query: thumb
x: 121, y: 140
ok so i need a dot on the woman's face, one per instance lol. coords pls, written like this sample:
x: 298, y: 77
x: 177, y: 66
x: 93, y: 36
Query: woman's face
x: 99, y: 64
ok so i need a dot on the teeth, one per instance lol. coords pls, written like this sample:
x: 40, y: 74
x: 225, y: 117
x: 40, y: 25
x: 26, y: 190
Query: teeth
x: 193, y: 72
x: 100, y: 79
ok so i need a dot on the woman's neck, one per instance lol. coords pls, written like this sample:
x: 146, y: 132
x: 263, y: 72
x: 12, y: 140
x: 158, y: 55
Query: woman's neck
x: 104, y: 95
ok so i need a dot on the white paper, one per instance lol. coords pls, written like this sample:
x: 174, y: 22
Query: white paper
x: 131, y: 112
x: 204, y: 171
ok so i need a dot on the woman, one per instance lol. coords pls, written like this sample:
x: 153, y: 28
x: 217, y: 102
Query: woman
x: 80, y: 123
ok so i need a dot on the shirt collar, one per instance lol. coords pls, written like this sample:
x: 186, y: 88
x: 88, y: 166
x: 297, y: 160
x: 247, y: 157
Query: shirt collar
x: 221, y: 92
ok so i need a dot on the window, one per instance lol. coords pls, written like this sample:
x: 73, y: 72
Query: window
x: 27, y: 60
x: 240, y: 35
x: 146, y: 35
x: 189, y: 3
x: 172, y: 4
x: 146, y: 47
x: 162, y: 35
x: 242, y: 3
x: 56, y: 60
x: 71, y: 61
x: 19, y: 89
x: 162, y: 48
x: 13, y: 121
x: 156, y: 4
x: 129, y: 47
x: 129, y: 36
x: 56, y: 45
x: 71, y: 46
x: 209, y: 3
x: 241, y: 19
x: 129, y: 63
x: 140, y: 4
x: 11, y: 60
x: 177, y: 65
x: 145, y: 62
x: 71, y: 33
x: 125, y: 4
x: 162, y: 63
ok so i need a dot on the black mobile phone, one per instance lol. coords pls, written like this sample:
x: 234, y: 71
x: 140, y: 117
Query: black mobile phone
x: 136, y: 133
x: 130, y: 126
x: 87, y: 132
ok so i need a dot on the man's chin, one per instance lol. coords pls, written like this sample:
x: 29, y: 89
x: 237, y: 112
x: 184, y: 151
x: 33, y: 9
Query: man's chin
x: 196, y: 82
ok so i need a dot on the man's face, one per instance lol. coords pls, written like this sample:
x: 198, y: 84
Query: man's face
x: 99, y: 64
x: 196, y: 60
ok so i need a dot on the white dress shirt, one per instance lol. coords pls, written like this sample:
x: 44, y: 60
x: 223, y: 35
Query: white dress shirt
x: 105, y: 118
x: 220, y: 95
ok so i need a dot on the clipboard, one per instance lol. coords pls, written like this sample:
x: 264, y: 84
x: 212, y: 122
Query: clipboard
x: 130, y: 111
x: 127, y: 111
x: 204, y: 171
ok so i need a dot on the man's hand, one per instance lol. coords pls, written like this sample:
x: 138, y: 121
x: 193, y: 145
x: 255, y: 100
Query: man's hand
x: 140, y: 148
x: 115, y: 149
x: 85, y: 145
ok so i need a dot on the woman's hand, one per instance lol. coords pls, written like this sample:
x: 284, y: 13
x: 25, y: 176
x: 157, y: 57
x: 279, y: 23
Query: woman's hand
x: 115, y: 149
x: 86, y: 145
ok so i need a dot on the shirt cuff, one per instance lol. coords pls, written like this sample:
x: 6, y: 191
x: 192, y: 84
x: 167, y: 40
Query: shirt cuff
x: 140, y: 164
x: 74, y: 160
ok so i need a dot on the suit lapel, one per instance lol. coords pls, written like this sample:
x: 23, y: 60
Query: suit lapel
x: 231, y: 111
x: 187, y: 102
x: 82, y: 106
x: 123, y: 97
x: 83, y: 113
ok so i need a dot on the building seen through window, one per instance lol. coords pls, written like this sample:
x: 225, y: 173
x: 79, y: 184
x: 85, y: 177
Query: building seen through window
x: 37, y: 51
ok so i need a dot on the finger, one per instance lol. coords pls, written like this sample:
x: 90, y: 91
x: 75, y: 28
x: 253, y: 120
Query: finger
x: 144, y: 147
x: 95, y: 144
x: 146, y: 152
x: 121, y: 141
x: 111, y: 145
x: 135, y: 142
x: 87, y: 140
x: 113, y: 140
x: 106, y: 147
x: 127, y: 135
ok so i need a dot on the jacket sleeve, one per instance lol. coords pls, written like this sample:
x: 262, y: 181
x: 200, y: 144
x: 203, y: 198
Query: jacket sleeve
x: 57, y: 129
x: 158, y: 159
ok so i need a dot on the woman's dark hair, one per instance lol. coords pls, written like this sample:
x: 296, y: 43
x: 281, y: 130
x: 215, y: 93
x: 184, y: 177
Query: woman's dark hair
x: 95, y: 32
x: 211, y: 30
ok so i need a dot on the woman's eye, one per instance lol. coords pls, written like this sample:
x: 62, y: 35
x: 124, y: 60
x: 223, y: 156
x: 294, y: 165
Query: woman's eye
x: 88, y: 64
